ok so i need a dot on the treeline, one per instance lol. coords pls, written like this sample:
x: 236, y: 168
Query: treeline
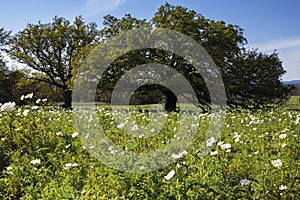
x: 16, y: 82
x: 54, y: 51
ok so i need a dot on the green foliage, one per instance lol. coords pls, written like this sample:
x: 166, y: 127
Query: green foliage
x: 252, y: 79
x: 54, y: 50
x: 9, y: 80
x: 4, y: 36
x: 42, y: 158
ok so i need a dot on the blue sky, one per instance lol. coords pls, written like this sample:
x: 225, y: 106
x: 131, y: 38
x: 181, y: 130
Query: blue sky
x: 267, y: 24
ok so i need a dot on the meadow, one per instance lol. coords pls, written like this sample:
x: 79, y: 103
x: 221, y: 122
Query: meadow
x: 42, y: 156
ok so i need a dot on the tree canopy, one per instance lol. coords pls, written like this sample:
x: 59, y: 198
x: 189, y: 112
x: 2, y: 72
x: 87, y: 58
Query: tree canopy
x: 252, y: 79
x: 55, y: 50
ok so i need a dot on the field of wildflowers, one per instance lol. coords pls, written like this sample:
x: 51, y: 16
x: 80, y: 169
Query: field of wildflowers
x: 257, y: 156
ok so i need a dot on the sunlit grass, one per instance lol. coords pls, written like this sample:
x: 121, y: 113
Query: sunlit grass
x: 256, y: 156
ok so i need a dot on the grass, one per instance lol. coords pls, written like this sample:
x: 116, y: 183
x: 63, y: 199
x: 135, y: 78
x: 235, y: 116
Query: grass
x: 44, y: 155
x: 293, y: 103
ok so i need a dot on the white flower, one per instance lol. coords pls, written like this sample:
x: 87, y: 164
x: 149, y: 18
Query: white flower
x: 58, y: 133
x: 213, y: 153
x: 68, y: 165
x: 283, y: 187
x: 245, y: 182
x: 180, y: 155
x: 29, y: 96
x: 8, y: 107
x: 44, y: 100
x: 22, y: 97
x: 34, y: 107
x: 236, y: 137
x: 170, y: 175
x: 135, y: 128
x: 283, y: 145
x: 225, y: 146
x: 152, y: 130
x: 38, y: 101
x: 220, y: 143
x: 9, y: 168
x: 74, y: 165
x: 282, y: 136
x: 120, y: 126
x: 67, y: 146
x: 37, y: 161
x: 25, y: 112
x: 277, y: 163
x: 210, y: 142
x: 75, y: 134
x: 228, y: 151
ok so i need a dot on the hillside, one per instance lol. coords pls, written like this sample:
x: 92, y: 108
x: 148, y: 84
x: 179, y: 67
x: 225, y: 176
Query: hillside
x: 293, y: 82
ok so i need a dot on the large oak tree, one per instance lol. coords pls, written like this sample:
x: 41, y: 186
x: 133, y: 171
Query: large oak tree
x: 252, y: 79
x: 53, y: 50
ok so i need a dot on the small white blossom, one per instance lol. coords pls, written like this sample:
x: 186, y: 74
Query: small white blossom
x: 170, y: 175
x: 74, y: 164
x: 245, y: 182
x: 135, y: 128
x: 180, y: 155
x: 29, y: 96
x: 25, y: 112
x: 34, y: 107
x: 213, y: 153
x: 22, y: 97
x: 68, y: 166
x: 236, y: 137
x: 283, y: 145
x: 277, y: 163
x: 9, y: 168
x: 38, y: 101
x: 44, y: 100
x: 58, y: 133
x: 34, y: 162
x: 282, y: 136
x: 210, y: 142
x: 120, y: 126
x: 283, y: 187
x: 228, y: 151
x: 225, y: 146
x: 75, y: 134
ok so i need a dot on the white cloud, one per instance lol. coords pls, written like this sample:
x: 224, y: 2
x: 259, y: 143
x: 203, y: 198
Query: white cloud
x: 289, y: 52
x: 278, y: 44
x: 96, y: 7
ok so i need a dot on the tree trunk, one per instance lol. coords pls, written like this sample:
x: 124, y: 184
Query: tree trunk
x: 171, y: 101
x: 67, y: 99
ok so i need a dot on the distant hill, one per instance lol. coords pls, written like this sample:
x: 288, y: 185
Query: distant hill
x: 296, y: 83
x: 293, y: 82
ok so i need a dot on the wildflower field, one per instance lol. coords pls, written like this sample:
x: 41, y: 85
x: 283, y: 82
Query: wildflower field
x: 257, y: 156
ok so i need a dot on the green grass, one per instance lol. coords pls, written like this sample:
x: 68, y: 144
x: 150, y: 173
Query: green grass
x: 68, y: 170
x: 293, y: 103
